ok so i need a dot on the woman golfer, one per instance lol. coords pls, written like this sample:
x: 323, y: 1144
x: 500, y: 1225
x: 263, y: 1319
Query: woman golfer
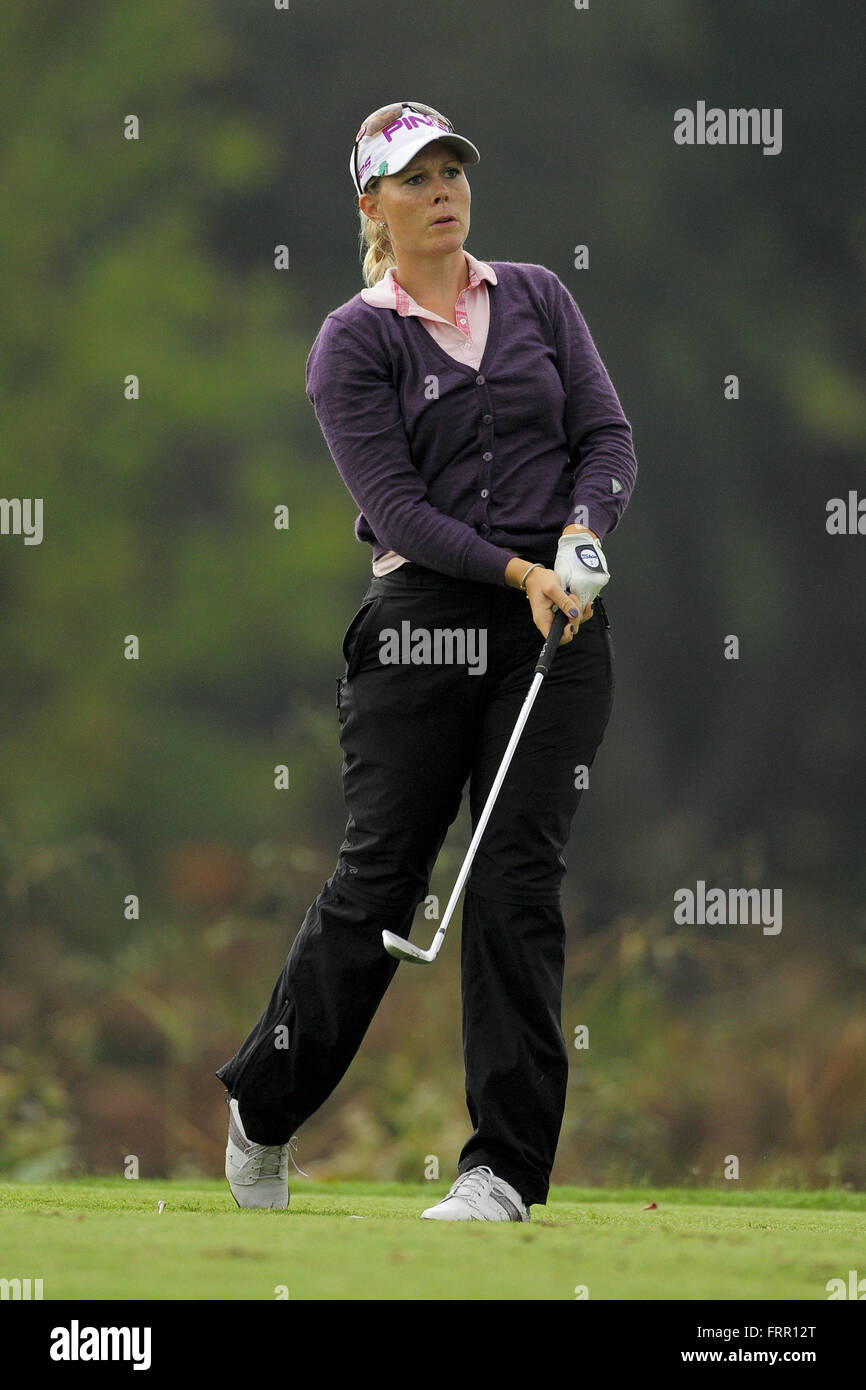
x: 474, y: 424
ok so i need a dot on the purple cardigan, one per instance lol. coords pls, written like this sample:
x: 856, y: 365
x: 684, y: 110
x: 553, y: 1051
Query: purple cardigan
x: 458, y: 469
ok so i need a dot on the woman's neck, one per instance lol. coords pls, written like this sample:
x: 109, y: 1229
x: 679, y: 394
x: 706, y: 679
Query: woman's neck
x: 433, y: 281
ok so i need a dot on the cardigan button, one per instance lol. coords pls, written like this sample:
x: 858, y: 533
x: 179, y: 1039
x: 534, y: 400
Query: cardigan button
x: 479, y: 381
x: 487, y: 419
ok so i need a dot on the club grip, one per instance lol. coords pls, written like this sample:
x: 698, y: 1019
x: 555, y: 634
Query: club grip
x: 548, y: 651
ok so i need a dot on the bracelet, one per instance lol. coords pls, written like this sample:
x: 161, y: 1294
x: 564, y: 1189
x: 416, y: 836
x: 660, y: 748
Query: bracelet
x: 537, y: 566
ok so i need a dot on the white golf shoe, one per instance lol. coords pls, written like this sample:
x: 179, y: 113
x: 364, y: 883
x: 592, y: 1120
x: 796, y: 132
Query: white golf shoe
x: 479, y: 1195
x: 258, y: 1174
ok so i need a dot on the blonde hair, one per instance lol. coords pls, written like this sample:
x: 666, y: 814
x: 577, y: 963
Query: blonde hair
x: 379, y: 254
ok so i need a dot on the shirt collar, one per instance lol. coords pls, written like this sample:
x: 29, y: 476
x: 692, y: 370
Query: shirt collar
x: 388, y: 294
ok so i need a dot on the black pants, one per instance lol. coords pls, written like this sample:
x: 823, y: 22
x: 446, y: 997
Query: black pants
x: 412, y: 735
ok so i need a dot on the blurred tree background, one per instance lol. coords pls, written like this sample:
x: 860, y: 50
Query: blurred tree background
x: 154, y: 777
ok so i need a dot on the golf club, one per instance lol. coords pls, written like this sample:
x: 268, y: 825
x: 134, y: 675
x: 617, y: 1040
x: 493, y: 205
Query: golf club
x: 397, y: 946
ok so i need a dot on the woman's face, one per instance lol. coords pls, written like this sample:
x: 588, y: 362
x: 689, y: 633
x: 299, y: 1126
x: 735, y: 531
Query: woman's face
x: 431, y: 187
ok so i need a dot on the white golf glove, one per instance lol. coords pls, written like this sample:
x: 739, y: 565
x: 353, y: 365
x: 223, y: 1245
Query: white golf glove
x: 580, y: 566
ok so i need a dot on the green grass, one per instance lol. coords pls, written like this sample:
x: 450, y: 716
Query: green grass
x: 103, y: 1238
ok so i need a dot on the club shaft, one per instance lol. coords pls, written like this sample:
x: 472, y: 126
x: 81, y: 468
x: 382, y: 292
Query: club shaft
x: 494, y: 790
x: 542, y: 668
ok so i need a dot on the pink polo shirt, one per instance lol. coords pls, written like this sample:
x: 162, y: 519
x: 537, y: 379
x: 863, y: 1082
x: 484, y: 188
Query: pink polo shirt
x: 464, y: 340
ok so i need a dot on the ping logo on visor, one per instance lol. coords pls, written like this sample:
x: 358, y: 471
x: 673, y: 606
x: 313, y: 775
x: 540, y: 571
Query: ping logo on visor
x: 588, y: 555
x: 410, y: 122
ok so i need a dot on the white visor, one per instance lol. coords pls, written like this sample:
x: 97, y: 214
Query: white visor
x: 397, y: 145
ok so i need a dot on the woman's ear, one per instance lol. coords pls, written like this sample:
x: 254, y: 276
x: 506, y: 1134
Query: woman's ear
x: 369, y: 206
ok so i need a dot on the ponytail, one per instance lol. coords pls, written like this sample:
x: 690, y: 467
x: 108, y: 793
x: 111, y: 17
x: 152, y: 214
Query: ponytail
x: 379, y: 254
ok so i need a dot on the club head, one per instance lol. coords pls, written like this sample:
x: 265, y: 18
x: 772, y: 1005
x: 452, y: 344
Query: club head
x: 404, y: 950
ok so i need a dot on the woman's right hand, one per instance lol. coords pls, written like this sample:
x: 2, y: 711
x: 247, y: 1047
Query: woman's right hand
x: 546, y: 594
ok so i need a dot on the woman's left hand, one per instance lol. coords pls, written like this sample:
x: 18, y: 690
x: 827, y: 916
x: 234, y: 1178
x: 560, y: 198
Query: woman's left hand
x: 580, y: 565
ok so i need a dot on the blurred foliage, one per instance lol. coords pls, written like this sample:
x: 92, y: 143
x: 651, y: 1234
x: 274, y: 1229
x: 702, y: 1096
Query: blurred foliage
x: 155, y: 777
x: 702, y: 1043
